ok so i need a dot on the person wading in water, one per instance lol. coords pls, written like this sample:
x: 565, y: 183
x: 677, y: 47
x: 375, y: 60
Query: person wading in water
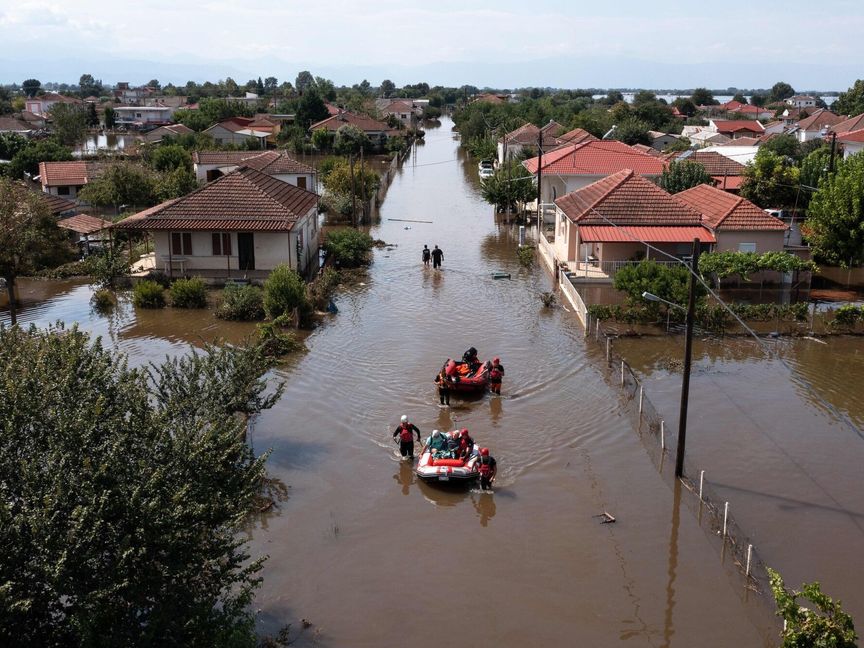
x: 437, y: 257
x: 426, y: 255
x: 405, y: 433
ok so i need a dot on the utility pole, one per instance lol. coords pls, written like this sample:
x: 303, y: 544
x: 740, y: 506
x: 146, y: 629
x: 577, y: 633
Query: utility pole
x: 539, y: 175
x: 688, y: 353
x: 833, y: 147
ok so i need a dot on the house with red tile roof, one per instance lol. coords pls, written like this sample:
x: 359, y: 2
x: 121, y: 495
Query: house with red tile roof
x: 726, y: 172
x: 848, y: 125
x: 209, y: 165
x: 240, y: 130
x: 852, y: 142
x: 377, y: 131
x: 574, y: 166
x: 169, y: 130
x: 489, y: 98
x: 817, y: 125
x: 606, y: 225
x: 242, y: 224
x: 527, y: 137
x: 753, y: 112
x: 16, y: 126
x: 736, y: 128
x: 85, y: 230
x: 736, y: 223
x: 42, y: 104
x: 67, y: 178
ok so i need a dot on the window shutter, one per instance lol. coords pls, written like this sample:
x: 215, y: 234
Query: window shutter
x: 187, y: 243
x: 176, y: 243
x: 226, y: 244
x: 217, y: 244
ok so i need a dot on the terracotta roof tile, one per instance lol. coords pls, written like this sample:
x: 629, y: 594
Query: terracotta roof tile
x: 599, y: 157
x: 57, y: 204
x: 364, y: 123
x: 14, y: 125
x: 848, y: 125
x: 725, y: 126
x: 853, y: 136
x: 626, y: 198
x: 269, y: 162
x: 244, y: 200
x: 78, y: 173
x: 725, y: 211
x: 820, y: 119
x: 84, y: 224
x: 634, y: 233
x: 576, y: 136
x: 714, y: 163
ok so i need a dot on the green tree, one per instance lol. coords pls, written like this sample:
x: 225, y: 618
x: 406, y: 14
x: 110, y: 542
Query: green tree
x: 11, y: 144
x: 175, y: 183
x: 835, y: 219
x: 780, y: 91
x: 758, y: 100
x: 814, y: 169
x: 88, y: 86
x: 122, y: 183
x: 784, y: 145
x: 322, y: 139
x: 154, y: 83
x: 613, y: 97
x: 29, y: 240
x: 27, y: 160
x: 685, y: 106
x: 771, y: 180
x: 348, y: 247
x: 387, y: 88
x: 740, y: 98
x: 5, y: 101
x: 304, y: 81
x: 271, y: 84
x: 828, y: 626
x: 169, y: 157
x: 512, y: 184
x: 350, y: 140
x: 69, y: 122
x: 92, y: 116
x: 31, y: 87
x: 310, y: 109
x: 632, y: 131
x: 703, y: 97
x: 124, y: 494
x: 682, y: 175
x: 110, y: 117
x: 850, y: 102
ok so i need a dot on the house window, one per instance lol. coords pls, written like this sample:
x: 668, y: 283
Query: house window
x: 62, y: 191
x: 221, y: 244
x: 301, y: 182
x: 181, y: 243
x: 746, y: 247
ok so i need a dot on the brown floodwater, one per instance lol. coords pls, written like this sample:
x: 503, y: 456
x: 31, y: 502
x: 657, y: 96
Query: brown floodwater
x: 781, y: 439
x: 372, y: 557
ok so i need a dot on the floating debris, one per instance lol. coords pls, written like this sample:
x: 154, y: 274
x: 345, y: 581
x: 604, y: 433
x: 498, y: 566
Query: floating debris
x: 608, y: 518
x: 500, y: 275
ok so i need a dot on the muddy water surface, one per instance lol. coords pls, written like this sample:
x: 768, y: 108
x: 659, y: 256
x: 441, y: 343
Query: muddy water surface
x: 371, y: 556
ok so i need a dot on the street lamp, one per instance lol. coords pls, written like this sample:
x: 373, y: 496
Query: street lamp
x: 688, y: 353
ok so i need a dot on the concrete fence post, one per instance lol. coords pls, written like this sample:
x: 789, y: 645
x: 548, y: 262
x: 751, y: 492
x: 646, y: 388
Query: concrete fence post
x: 749, y: 556
x: 701, y: 482
x: 622, y: 373
x: 641, y: 396
x: 663, y: 435
x: 725, y: 517
x: 608, y: 348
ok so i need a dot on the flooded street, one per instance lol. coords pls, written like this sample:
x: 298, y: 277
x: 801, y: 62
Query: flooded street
x: 370, y: 556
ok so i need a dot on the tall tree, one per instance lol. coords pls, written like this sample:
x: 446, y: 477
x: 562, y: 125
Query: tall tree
x: 771, y: 180
x: 124, y: 494
x: 310, y: 109
x: 31, y: 87
x: 69, y: 122
x: 110, y: 117
x: 682, y: 175
x: 835, y: 219
x: 29, y: 240
x: 850, y: 102
x: 703, y: 97
x: 92, y: 115
x: 740, y: 98
x: 88, y: 86
x: 122, y: 183
x: 304, y: 81
x: 387, y: 88
x: 154, y: 83
x: 781, y: 90
x: 27, y: 160
x: 632, y: 131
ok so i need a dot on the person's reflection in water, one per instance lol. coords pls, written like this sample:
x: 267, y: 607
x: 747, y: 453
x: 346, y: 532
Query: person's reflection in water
x: 405, y: 476
x: 445, y: 423
x: 485, y: 506
x: 495, y: 408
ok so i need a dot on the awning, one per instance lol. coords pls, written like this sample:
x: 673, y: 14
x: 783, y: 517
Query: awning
x: 636, y: 234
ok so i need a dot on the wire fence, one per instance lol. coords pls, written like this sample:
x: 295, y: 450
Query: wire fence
x: 713, y: 512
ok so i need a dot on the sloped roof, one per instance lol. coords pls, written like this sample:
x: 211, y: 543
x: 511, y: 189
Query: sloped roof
x: 58, y: 98
x: 526, y: 134
x: 269, y: 162
x: 14, y: 125
x: 725, y: 211
x: 819, y: 119
x: 650, y: 234
x: 852, y: 136
x: 849, y: 125
x: 714, y: 163
x: 599, y: 157
x: 57, y: 204
x: 576, y: 136
x: 244, y: 200
x: 364, y: 123
x: 626, y: 198
x: 742, y: 141
x: 78, y: 173
x: 738, y: 125
x: 84, y: 224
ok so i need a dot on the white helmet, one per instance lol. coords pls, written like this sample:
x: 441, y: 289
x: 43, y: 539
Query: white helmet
x: 404, y: 418
x: 435, y: 434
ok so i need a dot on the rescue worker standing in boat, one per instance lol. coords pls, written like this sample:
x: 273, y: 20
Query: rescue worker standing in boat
x: 405, y: 433
x: 488, y: 468
x: 496, y: 374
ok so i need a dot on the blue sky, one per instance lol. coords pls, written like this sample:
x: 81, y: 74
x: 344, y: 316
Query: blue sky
x: 621, y: 43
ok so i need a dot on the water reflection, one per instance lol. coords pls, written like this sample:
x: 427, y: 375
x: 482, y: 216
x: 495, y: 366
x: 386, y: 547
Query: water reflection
x: 405, y: 477
x: 484, y: 504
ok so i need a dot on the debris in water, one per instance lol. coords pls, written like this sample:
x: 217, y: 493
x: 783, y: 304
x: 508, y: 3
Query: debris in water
x: 500, y: 275
x: 407, y: 227
x: 306, y: 623
x: 813, y: 339
x: 607, y: 518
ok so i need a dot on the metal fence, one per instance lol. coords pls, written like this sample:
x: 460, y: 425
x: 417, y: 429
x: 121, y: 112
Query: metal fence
x: 714, y: 513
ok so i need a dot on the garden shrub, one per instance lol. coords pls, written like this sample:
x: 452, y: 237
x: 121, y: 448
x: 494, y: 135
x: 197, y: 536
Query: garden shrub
x: 189, y: 293
x: 241, y: 302
x: 103, y: 299
x: 148, y: 294
x: 349, y: 247
x: 284, y: 292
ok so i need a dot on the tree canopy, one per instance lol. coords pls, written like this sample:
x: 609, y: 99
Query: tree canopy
x: 31, y: 87
x: 835, y: 218
x: 781, y: 90
x: 771, y: 180
x: 682, y: 175
x: 850, y: 102
x: 124, y: 493
x: 512, y: 184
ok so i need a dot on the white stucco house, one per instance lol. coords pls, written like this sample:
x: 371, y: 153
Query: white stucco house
x: 42, y: 104
x: 817, y: 125
x: 143, y: 116
x: 241, y: 225
x: 801, y: 101
x: 852, y: 142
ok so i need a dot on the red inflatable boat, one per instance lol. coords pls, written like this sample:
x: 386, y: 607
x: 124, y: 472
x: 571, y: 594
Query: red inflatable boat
x: 461, y: 379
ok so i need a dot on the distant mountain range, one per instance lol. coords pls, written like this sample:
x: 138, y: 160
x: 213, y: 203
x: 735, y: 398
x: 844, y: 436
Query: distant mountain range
x: 553, y: 72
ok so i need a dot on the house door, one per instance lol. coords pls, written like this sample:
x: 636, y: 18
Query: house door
x: 246, y: 250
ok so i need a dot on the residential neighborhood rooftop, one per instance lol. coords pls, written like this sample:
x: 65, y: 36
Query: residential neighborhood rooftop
x: 599, y: 157
x: 77, y: 173
x: 84, y: 224
x: 725, y: 211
